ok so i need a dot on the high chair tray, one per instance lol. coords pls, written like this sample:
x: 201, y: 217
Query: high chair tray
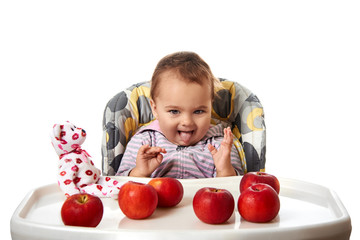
x: 307, y: 211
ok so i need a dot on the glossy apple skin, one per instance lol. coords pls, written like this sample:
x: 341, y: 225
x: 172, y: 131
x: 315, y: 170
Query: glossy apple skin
x: 137, y: 200
x: 259, y: 203
x: 82, y: 210
x: 251, y: 178
x: 170, y: 191
x: 213, y: 206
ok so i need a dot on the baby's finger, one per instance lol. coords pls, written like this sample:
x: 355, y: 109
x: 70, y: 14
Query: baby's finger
x: 155, y: 150
x: 159, y: 158
x: 143, y: 149
x: 227, y: 135
x: 162, y: 150
x: 212, y: 149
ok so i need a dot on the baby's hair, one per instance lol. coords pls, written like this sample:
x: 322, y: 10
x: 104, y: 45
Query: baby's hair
x: 190, y: 66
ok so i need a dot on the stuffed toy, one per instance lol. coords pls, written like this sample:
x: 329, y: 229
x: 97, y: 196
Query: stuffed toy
x: 77, y: 172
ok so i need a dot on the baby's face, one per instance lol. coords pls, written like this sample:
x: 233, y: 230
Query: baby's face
x: 183, y: 109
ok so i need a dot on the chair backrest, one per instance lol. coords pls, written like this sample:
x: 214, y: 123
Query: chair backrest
x: 235, y: 106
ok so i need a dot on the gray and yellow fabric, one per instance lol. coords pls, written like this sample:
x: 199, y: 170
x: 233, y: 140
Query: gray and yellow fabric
x: 235, y: 106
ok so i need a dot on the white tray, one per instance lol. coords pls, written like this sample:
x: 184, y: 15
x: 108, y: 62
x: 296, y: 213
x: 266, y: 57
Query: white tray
x: 307, y: 211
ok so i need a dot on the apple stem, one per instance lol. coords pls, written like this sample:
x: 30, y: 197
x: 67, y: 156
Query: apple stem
x: 215, y: 190
x: 83, y: 199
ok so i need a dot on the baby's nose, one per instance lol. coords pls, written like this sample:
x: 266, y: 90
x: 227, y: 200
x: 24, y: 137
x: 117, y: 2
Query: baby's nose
x: 187, y: 120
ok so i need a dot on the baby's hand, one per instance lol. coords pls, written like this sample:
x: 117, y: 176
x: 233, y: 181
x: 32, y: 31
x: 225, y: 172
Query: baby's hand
x: 222, y: 159
x: 147, y: 160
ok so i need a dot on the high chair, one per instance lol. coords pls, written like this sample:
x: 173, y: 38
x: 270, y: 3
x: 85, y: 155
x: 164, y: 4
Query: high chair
x: 235, y: 106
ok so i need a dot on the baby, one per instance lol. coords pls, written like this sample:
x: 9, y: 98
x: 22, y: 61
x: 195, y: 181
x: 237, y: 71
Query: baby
x: 181, y: 142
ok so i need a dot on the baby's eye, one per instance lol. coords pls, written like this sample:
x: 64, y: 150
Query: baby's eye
x: 174, y: 111
x: 199, y: 111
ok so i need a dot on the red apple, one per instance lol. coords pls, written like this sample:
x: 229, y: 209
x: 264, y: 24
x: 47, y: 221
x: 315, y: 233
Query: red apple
x: 170, y: 191
x: 259, y: 203
x: 251, y: 178
x: 137, y: 200
x: 83, y: 210
x: 213, y: 206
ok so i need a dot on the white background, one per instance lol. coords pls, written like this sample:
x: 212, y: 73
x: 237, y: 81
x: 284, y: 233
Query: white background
x: 63, y: 60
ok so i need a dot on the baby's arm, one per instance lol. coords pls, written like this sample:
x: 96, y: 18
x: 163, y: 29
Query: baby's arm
x: 147, y: 160
x: 222, y: 159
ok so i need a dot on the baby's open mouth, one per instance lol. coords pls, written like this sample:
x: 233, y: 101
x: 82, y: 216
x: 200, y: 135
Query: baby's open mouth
x: 185, y: 135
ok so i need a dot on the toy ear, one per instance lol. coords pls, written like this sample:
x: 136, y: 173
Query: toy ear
x: 57, y: 131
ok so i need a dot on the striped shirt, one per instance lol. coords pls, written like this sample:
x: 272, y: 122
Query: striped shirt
x: 179, y: 161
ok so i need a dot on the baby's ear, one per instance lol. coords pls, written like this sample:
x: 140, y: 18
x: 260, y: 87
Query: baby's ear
x: 153, y: 108
x: 57, y: 131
